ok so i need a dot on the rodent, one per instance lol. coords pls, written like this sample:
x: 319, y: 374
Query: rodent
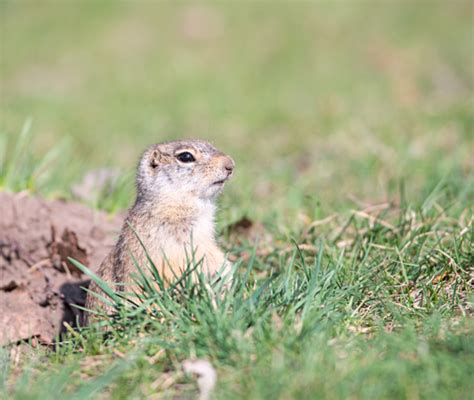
x: 177, y: 184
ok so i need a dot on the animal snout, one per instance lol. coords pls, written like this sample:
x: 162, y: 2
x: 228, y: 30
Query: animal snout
x: 228, y: 165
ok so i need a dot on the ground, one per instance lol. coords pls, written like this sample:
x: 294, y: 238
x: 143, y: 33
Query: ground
x: 39, y: 286
x: 349, y: 217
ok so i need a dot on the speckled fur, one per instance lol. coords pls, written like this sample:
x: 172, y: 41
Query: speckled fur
x: 175, y: 205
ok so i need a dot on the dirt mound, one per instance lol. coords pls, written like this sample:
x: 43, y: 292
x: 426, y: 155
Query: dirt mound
x: 37, y: 284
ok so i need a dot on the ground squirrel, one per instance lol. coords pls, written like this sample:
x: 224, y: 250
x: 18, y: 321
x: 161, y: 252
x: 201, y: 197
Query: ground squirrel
x: 177, y: 184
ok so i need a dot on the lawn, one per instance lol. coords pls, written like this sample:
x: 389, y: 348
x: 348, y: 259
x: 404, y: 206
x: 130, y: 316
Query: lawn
x: 351, y: 125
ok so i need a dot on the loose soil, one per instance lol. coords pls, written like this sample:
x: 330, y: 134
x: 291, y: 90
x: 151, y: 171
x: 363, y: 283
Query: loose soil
x: 38, y: 285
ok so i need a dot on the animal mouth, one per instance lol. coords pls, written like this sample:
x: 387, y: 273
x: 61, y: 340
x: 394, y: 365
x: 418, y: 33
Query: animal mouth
x: 221, y: 182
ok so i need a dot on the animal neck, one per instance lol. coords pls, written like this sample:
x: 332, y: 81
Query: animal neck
x: 180, y: 218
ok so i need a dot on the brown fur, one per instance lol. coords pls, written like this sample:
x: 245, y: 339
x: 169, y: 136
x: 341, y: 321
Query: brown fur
x: 174, y: 206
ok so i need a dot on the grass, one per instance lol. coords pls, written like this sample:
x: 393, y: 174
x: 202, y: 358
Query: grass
x: 384, y: 318
x: 353, y: 139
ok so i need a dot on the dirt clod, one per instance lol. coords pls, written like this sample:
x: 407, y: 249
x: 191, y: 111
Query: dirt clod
x: 38, y: 285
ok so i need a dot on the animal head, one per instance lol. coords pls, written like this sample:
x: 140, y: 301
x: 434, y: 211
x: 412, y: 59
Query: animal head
x: 183, y: 169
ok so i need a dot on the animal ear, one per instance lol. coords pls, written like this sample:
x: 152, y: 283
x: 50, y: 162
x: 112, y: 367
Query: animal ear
x: 155, y: 158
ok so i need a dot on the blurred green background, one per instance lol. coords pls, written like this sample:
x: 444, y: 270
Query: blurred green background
x: 319, y: 103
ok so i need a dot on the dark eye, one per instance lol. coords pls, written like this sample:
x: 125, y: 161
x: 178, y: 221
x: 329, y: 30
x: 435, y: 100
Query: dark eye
x: 185, y: 157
